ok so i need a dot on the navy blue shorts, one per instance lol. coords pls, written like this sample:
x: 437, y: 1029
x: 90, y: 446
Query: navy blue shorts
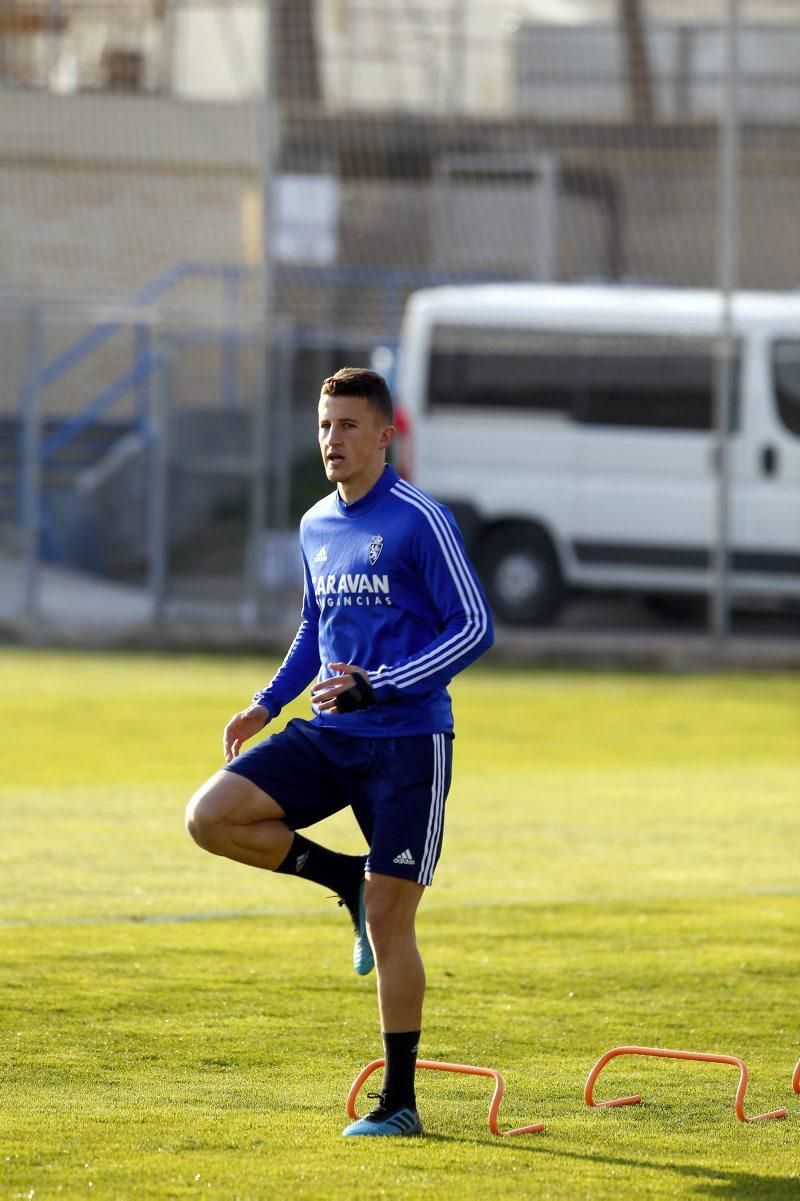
x: 396, y: 788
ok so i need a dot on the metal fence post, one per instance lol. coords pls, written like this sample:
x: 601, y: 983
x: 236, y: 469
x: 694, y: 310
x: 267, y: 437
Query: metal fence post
x: 31, y: 506
x: 141, y: 350
x: 270, y: 504
x: 281, y: 429
x: 250, y: 610
x: 264, y: 387
x: 158, y: 491
x: 729, y: 168
x: 229, y: 350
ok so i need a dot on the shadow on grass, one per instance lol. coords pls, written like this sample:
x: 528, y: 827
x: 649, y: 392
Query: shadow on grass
x: 706, y: 1182
x: 738, y: 1186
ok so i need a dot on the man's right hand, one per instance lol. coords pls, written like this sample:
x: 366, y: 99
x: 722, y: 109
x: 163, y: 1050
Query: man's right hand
x: 241, y: 727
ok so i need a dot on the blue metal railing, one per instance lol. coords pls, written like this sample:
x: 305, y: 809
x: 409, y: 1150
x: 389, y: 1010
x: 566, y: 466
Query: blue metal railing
x: 138, y: 376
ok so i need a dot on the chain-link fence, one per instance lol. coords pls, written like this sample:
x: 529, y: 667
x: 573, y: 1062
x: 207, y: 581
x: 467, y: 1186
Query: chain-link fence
x: 211, y: 206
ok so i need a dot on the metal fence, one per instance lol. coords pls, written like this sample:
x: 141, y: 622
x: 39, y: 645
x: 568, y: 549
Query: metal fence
x: 215, y: 206
x: 166, y: 495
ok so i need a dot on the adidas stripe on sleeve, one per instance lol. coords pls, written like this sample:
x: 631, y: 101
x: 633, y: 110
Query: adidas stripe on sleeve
x: 450, y: 578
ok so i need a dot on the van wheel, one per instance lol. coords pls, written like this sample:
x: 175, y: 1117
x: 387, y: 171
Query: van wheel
x: 520, y: 572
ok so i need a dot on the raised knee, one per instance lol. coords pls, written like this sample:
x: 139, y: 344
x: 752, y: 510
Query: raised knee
x: 200, y: 822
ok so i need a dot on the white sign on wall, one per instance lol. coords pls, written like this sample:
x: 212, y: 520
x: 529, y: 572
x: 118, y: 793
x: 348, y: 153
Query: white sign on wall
x: 306, y: 219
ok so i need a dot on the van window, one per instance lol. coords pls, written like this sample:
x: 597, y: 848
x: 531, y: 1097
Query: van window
x: 786, y: 376
x: 595, y: 379
x: 486, y: 367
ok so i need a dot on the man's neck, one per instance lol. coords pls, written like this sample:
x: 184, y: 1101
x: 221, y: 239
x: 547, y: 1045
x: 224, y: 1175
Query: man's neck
x: 351, y: 491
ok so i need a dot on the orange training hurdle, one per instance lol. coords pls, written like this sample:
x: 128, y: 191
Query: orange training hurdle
x: 796, y: 1077
x: 662, y: 1053
x: 465, y: 1069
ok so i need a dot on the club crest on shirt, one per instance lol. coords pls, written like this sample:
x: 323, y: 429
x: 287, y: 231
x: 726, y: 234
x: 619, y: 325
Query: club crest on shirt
x: 375, y: 548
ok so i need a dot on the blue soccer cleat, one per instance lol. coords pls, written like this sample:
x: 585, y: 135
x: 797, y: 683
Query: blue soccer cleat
x: 363, y: 959
x: 385, y: 1122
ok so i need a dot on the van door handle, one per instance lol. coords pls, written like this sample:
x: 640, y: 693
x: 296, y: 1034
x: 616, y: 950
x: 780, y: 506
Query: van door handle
x: 769, y: 460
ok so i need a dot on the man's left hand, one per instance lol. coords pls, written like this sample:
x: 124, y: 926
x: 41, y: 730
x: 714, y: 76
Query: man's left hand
x: 325, y: 694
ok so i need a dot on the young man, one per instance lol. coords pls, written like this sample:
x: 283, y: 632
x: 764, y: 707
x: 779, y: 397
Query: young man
x: 392, y: 610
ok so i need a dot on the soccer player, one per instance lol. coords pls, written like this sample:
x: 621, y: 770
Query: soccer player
x: 392, y: 609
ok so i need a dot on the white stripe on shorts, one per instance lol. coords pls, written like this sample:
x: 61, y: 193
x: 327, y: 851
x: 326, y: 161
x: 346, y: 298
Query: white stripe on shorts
x: 436, y: 818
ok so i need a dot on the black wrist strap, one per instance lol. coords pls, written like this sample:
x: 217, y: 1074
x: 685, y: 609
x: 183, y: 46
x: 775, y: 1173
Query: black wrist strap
x: 359, y: 696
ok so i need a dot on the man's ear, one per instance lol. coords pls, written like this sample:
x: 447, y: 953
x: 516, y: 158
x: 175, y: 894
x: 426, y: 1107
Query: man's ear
x: 387, y: 437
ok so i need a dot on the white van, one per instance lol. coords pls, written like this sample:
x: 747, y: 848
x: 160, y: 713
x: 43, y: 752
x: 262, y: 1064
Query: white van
x: 570, y: 428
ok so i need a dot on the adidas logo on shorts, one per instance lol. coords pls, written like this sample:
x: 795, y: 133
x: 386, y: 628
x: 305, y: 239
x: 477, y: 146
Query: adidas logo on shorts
x: 406, y: 858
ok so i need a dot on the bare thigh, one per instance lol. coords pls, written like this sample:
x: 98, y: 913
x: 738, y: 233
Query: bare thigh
x: 229, y: 814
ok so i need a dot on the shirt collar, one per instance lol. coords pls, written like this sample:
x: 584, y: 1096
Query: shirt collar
x: 376, y: 494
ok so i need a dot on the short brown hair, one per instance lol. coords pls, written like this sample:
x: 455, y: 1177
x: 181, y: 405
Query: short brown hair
x: 360, y: 381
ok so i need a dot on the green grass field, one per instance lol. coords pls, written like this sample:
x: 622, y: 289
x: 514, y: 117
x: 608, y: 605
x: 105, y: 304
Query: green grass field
x: 621, y: 866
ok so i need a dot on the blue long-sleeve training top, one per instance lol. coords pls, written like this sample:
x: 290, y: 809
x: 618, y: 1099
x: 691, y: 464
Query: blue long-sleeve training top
x: 388, y: 587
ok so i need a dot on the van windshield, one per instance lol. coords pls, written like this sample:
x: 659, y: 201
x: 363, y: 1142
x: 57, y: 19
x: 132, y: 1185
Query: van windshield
x: 786, y: 380
x: 644, y: 381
